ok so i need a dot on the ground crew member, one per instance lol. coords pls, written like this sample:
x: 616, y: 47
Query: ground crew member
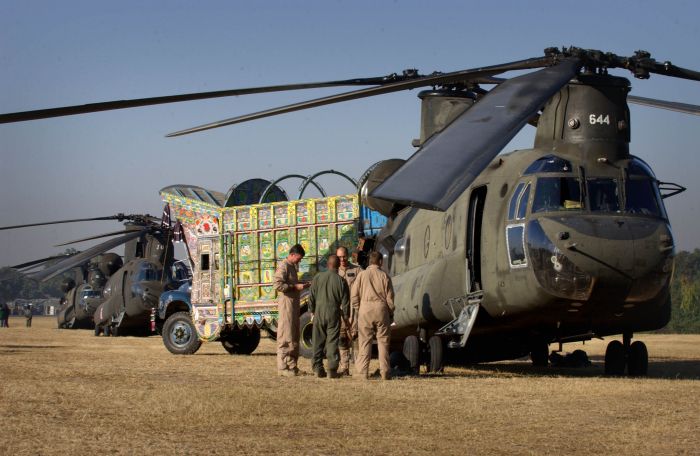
x: 347, y: 271
x: 373, y: 300
x: 4, y: 314
x: 328, y: 300
x: 286, y: 282
x: 28, y: 315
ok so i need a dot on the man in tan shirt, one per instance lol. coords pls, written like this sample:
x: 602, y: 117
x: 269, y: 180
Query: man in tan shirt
x: 286, y: 282
x: 373, y: 300
x: 347, y: 271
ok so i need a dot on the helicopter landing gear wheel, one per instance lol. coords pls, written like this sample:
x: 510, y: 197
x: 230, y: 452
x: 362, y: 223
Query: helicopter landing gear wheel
x: 180, y: 335
x: 241, y: 341
x: 637, y: 359
x: 615, y: 358
x: 539, y: 354
x: 306, y: 332
x: 435, y: 354
x: 411, y: 350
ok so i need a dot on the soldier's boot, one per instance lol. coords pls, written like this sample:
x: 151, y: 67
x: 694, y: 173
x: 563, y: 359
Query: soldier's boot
x: 333, y: 373
x: 320, y: 372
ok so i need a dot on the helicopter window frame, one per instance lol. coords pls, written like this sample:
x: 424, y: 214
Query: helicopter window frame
x: 517, y: 207
x: 521, y: 261
x: 549, y: 164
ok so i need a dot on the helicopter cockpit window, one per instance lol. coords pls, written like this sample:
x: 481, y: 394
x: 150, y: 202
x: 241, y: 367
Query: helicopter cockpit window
x: 603, y: 195
x: 642, y: 191
x: 557, y: 194
x: 549, y: 164
x: 518, y: 202
x: 148, y: 272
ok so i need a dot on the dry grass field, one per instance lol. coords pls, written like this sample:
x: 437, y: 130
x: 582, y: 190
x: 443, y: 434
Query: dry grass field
x: 68, y: 392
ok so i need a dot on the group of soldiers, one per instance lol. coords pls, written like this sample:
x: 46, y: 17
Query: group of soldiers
x: 345, y: 302
x: 5, y: 315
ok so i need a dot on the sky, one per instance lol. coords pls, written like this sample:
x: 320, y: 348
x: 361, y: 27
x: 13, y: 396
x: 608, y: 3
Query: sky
x: 75, y: 52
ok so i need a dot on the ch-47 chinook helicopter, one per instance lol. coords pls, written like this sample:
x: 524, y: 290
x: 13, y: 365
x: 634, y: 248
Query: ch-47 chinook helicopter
x: 497, y: 256
x: 110, y: 295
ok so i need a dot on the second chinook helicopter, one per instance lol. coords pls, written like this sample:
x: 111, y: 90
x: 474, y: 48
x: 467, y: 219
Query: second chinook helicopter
x: 112, y: 296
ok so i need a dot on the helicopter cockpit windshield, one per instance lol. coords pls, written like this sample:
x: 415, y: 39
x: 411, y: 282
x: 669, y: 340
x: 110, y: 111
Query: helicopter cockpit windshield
x: 148, y: 272
x: 558, y: 189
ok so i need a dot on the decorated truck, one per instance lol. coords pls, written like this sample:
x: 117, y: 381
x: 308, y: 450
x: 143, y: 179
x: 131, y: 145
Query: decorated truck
x: 234, y: 252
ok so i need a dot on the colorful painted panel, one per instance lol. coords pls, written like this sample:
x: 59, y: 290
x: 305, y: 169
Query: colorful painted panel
x: 243, y: 219
x: 267, y: 292
x: 281, y: 215
x: 282, y: 243
x: 303, y: 216
x: 322, y: 212
x: 323, y: 239
x: 345, y: 209
x: 347, y: 235
x: 248, y: 293
x: 265, y: 217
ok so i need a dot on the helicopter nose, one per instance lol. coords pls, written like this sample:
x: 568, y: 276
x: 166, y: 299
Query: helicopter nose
x: 626, y: 257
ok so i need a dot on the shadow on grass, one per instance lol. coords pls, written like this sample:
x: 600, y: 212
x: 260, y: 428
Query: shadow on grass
x: 675, y: 369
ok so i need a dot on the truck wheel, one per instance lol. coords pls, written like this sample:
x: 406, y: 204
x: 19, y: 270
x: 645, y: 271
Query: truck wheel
x: 306, y: 332
x: 241, y: 341
x: 180, y: 335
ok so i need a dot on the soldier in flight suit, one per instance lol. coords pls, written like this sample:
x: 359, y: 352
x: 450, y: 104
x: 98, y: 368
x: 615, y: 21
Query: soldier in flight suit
x: 373, y: 300
x: 347, y: 271
x: 286, y: 282
x: 329, y: 298
x: 28, y: 314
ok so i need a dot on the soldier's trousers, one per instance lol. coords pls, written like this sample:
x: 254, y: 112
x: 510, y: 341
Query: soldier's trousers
x: 326, y: 335
x: 373, y: 321
x: 287, y: 334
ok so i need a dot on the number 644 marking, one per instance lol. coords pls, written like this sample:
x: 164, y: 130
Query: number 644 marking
x: 599, y: 119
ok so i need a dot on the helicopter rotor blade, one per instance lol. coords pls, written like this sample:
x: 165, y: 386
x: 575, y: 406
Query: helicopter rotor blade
x: 663, y: 104
x: 57, y: 222
x: 99, y: 236
x: 140, y: 102
x: 68, y: 263
x: 119, y: 217
x: 43, y: 260
x: 476, y: 74
x: 437, y: 174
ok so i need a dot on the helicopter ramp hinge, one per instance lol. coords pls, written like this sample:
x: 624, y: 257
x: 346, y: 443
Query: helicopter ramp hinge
x: 464, y: 322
